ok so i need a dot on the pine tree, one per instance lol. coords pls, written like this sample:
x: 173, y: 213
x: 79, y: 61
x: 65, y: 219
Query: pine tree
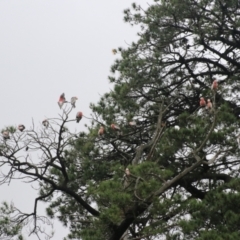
x: 162, y: 167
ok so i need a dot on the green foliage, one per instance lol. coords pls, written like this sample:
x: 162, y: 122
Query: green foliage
x: 8, y: 228
x: 216, y: 213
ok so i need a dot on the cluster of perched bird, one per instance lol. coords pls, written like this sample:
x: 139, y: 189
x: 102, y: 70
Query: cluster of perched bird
x: 6, y: 134
x: 115, y: 128
x: 79, y: 115
x: 208, y: 104
x: 61, y: 101
x: 45, y: 122
x: 202, y: 103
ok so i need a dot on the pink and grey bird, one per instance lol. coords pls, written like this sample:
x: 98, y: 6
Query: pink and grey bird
x: 115, y: 127
x: 79, y: 116
x: 5, y: 135
x: 61, y: 100
x: 127, y: 172
x: 45, y: 123
x: 202, y: 102
x: 132, y: 124
x: 214, y: 85
x: 21, y: 127
x: 209, y: 104
x: 73, y: 101
x: 101, y: 131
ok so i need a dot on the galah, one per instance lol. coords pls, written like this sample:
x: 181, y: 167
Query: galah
x: 21, y: 127
x: 73, y: 101
x: 61, y: 100
x: 101, y: 131
x: 45, y: 123
x: 5, y: 135
x: 132, y: 124
x: 209, y: 104
x: 214, y: 85
x: 79, y: 116
x: 127, y: 172
x: 115, y: 127
x: 202, y: 102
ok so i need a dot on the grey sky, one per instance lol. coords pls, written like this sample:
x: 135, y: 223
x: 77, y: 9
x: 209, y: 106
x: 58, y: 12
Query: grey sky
x: 52, y: 46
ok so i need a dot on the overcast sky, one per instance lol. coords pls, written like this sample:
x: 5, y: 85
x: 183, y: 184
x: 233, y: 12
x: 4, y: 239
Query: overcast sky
x: 48, y: 47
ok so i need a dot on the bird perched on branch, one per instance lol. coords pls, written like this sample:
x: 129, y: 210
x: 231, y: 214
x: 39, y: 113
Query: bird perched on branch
x: 61, y: 100
x: 132, y: 124
x: 73, y: 101
x: 5, y: 135
x: 115, y: 127
x: 202, y: 102
x: 21, y: 127
x: 45, y: 123
x: 214, y: 86
x: 101, y: 131
x: 79, y: 116
x: 209, y: 104
x: 127, y: 172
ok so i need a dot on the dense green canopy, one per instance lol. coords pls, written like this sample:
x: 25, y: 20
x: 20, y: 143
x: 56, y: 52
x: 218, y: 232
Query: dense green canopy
x: 183, y: 159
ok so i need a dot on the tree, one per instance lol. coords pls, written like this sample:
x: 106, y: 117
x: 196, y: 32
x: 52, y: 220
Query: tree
x: 182, y: 180
x: 9, y: 229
